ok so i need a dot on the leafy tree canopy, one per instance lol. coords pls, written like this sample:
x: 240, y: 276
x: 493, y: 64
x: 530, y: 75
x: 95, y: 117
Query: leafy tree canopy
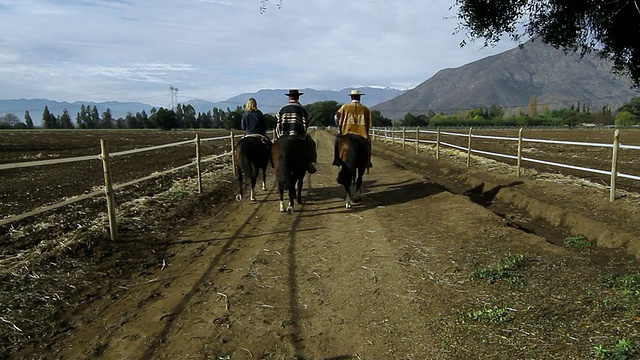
x: 609, y: 27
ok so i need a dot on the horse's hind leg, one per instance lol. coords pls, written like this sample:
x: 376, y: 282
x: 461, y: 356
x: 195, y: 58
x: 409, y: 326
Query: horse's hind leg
x: 358, y: 195
x: 299, y: 189
x: 240, y: 193
x: 264, y: 178
x: 253, y: 188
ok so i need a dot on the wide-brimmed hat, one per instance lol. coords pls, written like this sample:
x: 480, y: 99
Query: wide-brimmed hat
x: 355, y: 93
x: 294, y: 92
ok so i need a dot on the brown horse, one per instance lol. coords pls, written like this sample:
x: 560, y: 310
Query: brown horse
x: 290, y: 163
x: 353, y: 151
x: 252, y: 154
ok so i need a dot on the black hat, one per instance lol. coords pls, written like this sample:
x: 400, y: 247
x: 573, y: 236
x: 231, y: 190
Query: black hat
x: 294, y: 92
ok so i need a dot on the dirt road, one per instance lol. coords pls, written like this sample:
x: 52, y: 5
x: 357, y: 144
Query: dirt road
x: 386, y: 279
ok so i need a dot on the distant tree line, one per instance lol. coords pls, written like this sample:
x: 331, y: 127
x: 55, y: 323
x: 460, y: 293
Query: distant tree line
x: 627, y: 115
x: 322, y: 112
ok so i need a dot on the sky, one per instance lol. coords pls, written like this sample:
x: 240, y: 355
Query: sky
x: 134, y: 50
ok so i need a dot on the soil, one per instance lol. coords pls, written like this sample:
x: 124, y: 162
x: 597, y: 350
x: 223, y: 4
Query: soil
x: 439, y: 261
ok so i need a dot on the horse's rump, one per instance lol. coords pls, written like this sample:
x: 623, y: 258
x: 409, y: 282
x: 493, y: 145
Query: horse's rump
x: 353, y: 151
x: 251, y: 154
x: 289, y: 158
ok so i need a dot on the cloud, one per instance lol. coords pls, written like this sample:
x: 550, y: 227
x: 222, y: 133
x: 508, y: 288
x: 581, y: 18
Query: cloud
x: 100, y: 50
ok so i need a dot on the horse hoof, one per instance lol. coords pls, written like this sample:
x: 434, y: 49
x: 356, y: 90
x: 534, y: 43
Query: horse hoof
x: 253, y: 199
x: 264, y: 188
x: 290, y: 210
x: 348, y: 206
x: 356, y: 200
x: 238, y: 197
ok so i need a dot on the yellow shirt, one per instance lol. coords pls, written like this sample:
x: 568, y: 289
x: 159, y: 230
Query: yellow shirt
x: 354, y: 118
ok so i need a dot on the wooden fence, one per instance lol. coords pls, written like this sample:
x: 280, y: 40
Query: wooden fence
x: 436, y: 137
x: 109, y: 187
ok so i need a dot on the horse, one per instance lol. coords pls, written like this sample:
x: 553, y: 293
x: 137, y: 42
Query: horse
x: 252, y: 155
x: 353, y: 151
x: 290, y: 163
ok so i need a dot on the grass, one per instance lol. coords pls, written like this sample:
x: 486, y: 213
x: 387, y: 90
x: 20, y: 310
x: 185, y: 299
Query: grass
x: 623, y: 349
x: 505, y: 269
x: 577, y: 241
x: 492, y: 315
x: 628, y: 284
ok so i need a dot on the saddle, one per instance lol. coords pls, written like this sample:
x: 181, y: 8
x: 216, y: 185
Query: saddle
x: 265, y: 140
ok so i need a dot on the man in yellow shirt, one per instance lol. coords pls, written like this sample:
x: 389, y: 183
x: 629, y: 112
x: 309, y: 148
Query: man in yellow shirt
x: 353, y: 118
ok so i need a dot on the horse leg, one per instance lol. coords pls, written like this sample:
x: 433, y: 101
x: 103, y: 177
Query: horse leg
x: 347, y: 189
x: 264, y: 178
x: 292, y: 195
x: 253, y: 187
x: 300, y: 182
x: 358, y: 196
x: 239, y: 196
x: 281, y: 192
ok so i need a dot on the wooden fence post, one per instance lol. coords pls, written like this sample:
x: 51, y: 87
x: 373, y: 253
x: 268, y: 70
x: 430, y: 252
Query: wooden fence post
x: 469, y: 148
x: 519, y: 152
x: 108, y: 190
x: 614, y: 164
x: 438, y: 144
x: 417, y: 139
x: 198, y: 170
x: 233, y: 155
x: 393, y: 136
x: 373, y: 134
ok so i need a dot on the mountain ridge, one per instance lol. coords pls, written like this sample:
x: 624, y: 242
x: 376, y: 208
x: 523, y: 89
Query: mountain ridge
x: 512, y: 79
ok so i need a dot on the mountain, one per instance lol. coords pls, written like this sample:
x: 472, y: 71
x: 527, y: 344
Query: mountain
x: 269, y: 101
x: 512, y: 78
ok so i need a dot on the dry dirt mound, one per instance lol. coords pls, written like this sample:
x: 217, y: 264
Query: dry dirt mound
x: 438, y: 262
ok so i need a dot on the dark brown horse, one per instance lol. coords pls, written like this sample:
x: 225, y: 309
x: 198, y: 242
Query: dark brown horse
x: 252, y: 154
x: 353, y: 151
x: 290, y: 163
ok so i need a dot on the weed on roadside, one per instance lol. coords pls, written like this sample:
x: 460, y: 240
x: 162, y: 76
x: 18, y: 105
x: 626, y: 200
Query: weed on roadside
x: 578, y: 242
x: 628, y: 285
x: 492, y: 315
x: 623, y: 349
x: 505, y: 269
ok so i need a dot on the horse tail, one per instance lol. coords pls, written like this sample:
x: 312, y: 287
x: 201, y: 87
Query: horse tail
x: 284, y: 170
x: 354, y: 152
x: 246, y: 165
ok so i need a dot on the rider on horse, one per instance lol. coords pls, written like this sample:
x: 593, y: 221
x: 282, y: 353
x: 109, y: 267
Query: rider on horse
x: 293, y: 119
x: 254, y: 123
x: 353, y: 118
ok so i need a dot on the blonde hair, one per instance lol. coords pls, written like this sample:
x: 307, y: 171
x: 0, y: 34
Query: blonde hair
x: 252, y: 105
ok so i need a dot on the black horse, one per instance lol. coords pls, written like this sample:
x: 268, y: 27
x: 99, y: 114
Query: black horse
x: 252, y: 155
x: 353, y: 151
x: 290, y: 163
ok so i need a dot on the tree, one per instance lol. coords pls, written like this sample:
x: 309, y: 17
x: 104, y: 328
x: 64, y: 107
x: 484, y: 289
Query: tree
x: 633, y: 106
x: 378, y: 120
x: 533, y: 106
x: 10, y: 120
x: 28, y: 120
x: 606, y: 27
x: 411, y: 120
x: 166, y: 119
x: 322, y: 112
x: 65, y: 120
x: 625, y: 118
x: 107, y: 120
x: 49, y: 121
